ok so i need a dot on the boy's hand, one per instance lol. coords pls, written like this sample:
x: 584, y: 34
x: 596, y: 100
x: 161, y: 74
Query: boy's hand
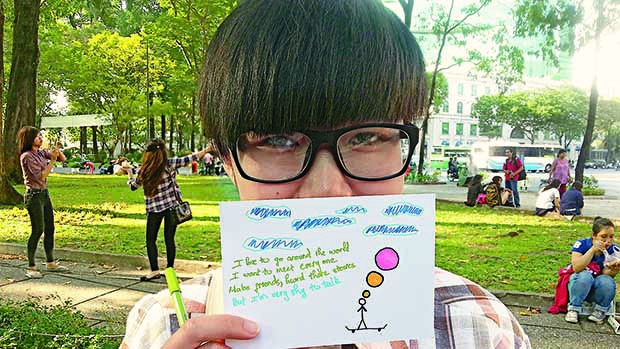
x: 212, y: 329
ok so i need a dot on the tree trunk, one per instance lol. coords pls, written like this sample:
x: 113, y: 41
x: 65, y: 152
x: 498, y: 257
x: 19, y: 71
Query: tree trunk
x: 407, y: 6
x: 163, y: 127
x: 21, y: 99
x: 584, y: 154
x: 171, y: 133
x: 95, y: 145
x: 192, y: 143
x: 8, y: 194
x: 83, y: 137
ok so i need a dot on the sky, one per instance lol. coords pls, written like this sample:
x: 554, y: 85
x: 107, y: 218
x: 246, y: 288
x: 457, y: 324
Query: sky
x: 582, y: 61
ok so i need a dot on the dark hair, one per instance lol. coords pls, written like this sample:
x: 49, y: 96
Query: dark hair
x: 555, y: 183
x: 279, y: 66
x: 154, y: 163
x: 601, y: 223
x: 496, y: 179
x: 476, y: 180
x: 561, y: 151
x: 577, y: 185
x: 26, y: 136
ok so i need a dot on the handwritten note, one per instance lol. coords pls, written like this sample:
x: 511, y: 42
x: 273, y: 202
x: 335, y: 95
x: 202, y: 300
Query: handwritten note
x: 330, y: 270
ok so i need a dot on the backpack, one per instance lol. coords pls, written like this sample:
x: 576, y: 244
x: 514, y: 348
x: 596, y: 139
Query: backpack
x: 492, y: 192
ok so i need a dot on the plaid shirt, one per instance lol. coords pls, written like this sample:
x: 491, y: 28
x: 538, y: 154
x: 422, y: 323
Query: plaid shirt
x: 168, y: 190
x: 466, y: 316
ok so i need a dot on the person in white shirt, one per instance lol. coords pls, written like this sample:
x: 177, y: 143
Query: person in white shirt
x: 548, y: 199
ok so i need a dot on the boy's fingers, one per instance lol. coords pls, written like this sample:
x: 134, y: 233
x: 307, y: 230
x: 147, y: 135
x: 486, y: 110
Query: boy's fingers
x: 204, y: 329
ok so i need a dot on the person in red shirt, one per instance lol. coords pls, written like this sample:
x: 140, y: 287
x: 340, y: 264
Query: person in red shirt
x: 512, y: 168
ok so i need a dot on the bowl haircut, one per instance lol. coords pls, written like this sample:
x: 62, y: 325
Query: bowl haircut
x: 277, y: 66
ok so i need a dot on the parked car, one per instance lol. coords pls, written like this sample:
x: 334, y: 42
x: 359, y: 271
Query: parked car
x: 589, y: 164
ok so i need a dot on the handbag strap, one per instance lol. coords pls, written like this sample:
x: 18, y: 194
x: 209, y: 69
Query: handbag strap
x: 174, y: 187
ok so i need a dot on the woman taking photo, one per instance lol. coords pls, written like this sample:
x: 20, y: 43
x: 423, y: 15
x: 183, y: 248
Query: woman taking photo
x: 157, y: 177
x: 36, y: 165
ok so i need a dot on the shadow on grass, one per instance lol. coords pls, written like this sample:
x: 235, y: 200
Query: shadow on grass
x: 117, y: 214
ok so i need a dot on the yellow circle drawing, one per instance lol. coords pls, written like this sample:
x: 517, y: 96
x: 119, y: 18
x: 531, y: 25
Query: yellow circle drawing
x: 366, y: 294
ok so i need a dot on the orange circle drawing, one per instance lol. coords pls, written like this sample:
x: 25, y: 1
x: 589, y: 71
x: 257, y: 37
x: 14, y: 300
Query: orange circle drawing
x: 374, y: 279
x: 366, y: 294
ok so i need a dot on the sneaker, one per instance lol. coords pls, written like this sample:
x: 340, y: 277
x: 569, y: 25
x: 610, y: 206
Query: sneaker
x: 56, y: 268
x: 597, y: 316
x: 569, y: 217
x: 572, y: 317
x: 33, y: 273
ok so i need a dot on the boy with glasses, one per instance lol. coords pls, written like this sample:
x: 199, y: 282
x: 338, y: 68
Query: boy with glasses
x: 315, y: 98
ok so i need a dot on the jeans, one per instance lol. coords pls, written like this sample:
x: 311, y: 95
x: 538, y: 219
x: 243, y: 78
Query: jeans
x: 585, y: 287
x: 153, y: 222
x: 41, y: 214
x: 514, y: 186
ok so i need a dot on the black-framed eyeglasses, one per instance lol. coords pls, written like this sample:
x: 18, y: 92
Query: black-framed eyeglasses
x: 368, y: 152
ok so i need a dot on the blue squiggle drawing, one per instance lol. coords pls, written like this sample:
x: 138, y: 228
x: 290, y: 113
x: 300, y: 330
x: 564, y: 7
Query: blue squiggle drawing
x: 259, y: 213
x: 402, y: 208
x: 352, y: 209
x: 390, y: 229
x: 262, y: 244
x: 322, y: 222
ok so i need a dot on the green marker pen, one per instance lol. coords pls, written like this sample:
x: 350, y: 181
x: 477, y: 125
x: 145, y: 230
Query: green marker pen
x: 175, y: 292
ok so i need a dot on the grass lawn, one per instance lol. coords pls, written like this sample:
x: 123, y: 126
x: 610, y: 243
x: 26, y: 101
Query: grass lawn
x: 499, y: 249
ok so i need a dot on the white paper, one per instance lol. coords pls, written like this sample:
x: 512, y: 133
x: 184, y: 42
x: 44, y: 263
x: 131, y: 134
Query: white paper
x: 306, y: 270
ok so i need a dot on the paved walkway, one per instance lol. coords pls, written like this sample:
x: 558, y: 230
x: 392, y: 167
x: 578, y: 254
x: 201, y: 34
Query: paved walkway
x: 106, y: 293
x: 604, y: 206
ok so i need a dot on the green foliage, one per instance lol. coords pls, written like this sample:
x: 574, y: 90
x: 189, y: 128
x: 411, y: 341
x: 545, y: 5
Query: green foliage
x: 590, y: 186
x: 608, y: 126
x: 561, y: 111
x: 28, y: 324
x: 413, y: 177
x: 441, y: 90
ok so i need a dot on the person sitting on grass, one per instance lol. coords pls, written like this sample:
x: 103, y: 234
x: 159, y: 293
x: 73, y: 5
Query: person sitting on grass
x: 584, y: 285
x: 572, y: 201
x: 325, y: 108
x: 498, y: 195
x: 473, y: 190
x: 548, y: 199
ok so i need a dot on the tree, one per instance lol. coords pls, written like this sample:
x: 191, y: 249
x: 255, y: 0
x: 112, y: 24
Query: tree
x: 550, y: 20
x: 516, y: 110
x: 563, y: 110
x: 21, y: 98
x: 448, y: 30
x: 608, y: 126
x: 8, y: 194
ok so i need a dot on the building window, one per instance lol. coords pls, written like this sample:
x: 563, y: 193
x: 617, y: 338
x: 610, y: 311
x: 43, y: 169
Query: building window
x: 474, y: 90
x: 445, y: 128
x: 487, y: 90
x: 446, y: 107
x: 460, y: 89
x: 459, y: 108
x: 459, y: 129
x: 473, y: 130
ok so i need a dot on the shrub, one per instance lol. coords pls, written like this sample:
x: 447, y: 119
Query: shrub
x: 28, y: 324
x: 590, y: 186
x: 413, y: 177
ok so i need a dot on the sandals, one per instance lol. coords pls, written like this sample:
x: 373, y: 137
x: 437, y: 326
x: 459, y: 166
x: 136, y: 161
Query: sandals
x: 56, y: 268
x: 33, y: 273
x: 152, y: 276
